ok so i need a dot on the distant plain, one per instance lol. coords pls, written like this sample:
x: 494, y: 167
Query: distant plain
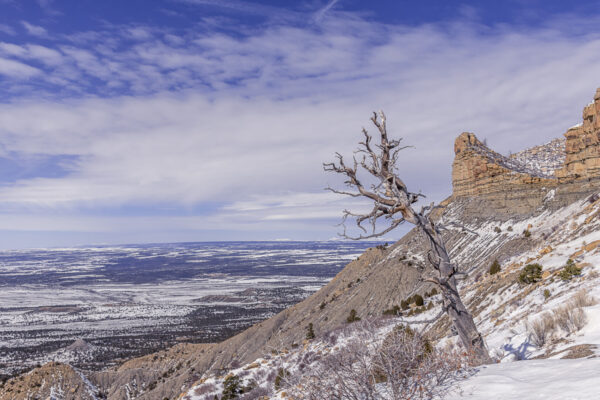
x: 125, y: 301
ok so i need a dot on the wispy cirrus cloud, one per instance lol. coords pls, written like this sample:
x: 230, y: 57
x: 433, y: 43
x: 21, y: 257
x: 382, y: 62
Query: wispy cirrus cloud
x: 253, y: 8
x: 7, y: 29
x: 16, y: 69
x: 34, y: 30
x: 48, y: 7
x: 242, y: 122
x: 318, y: 16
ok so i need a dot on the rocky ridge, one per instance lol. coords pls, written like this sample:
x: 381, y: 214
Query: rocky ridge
x: 478, y: 170
x: 490, y: 191
x: 543, y: 160
x: 583, y: 146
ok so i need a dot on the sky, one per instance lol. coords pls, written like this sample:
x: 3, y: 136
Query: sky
x: 205, y: 120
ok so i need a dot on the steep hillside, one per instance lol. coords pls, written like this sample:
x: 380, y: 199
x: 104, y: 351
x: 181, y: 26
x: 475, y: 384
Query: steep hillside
x: 506, y: 310
x: 52, y: 381
x: 561, y: 223
x: 502, y: 208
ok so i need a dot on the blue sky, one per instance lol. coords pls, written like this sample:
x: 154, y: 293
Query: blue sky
x: 160, y: 121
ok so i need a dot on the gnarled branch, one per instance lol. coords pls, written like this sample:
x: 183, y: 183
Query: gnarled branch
x: 391, y: 198
x: 393, y: 203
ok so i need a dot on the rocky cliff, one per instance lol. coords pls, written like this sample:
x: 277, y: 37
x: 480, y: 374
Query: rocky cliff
x: 512, y: 185
x: 583, y: 146
x: 517, y: 184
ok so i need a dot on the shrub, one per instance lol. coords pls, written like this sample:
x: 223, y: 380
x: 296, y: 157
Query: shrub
x: 531, y: 273
x: 583, y: 299
x: 404, y: 364
x: 418, y: 299
x: 404, y: 305
x: 546, y: 294
x: 432, y: 293
x: 569, y: 271
x: 510, y: 229
x: 322, y: 306
x: 231, y: 388
x: 352, y: 317
x: 282, y: 375
x: 541, y: 329
x: 393, y: 311
x: 570, y: 318
x: 497, y: 229
x: 526, y: 233
x: 495, y: 268
x: 310, y: 333
x: 417, y: 310
x: 256, y: 394
x: 578, y: 319
x: 204, y: 389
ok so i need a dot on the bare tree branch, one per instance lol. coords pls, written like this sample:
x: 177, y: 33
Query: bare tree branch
x: 393, y: 204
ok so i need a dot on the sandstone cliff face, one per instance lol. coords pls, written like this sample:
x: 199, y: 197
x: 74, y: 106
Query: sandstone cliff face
x: 477, y: 170
x: 520, y: 183
x: 583, y: 146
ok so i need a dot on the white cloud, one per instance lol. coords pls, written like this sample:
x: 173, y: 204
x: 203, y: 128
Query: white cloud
x: 7, y: 29
x: 44, y: 54
x: 15, y: 69
x: 139, y: 33
x: 321, y: 13
x: 247, y: 7
x: 34, y: 30
x: 10, y: 49
x: 47, y: 6
x: 247, y: 121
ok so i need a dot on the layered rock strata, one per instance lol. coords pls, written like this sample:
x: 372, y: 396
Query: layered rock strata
x: 583, y: 146
x: 559, y: 170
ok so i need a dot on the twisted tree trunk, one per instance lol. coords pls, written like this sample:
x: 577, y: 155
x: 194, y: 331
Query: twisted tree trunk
x: 453, y: 306
x: 394, y: 203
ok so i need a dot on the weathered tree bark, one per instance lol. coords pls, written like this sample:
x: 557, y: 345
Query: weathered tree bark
x: 393, y: 202
x: 453, y: 306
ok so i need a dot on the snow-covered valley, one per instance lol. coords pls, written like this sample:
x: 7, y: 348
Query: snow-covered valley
x: 132, y: 300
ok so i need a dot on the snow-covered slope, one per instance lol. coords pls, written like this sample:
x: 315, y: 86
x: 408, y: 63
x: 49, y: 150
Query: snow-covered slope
x: 535, y: 379
x: 506, y: 311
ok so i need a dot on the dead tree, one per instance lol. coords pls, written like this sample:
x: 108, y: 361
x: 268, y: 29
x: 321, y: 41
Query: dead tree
x: 392, y: 202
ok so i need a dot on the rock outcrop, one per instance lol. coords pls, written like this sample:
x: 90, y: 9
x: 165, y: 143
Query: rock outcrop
x: 583, y: 146
x: 522, y: 182
x: 52, y: 381
x: 478, y: 170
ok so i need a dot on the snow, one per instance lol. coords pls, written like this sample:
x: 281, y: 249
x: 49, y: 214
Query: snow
x: 579, y: 124
x: 591, y: 332
x: 539, y: 161
x: 535, y: 379
x: 505, y: 313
